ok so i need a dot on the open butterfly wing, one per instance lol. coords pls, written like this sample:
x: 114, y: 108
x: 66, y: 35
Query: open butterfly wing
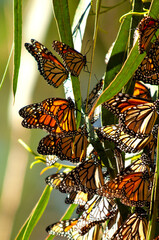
x: 49, y: 66
x: 63, y: 112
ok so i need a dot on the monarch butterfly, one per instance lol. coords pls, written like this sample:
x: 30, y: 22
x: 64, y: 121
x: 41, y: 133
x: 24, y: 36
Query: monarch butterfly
x: 134, y: 228
x: 133, y: 189
x: 68, y: 229
x: 146, y: 28
x: 141, y: 91
x: 124, y: 141
x: 86, y: 177
x: 97, y: 210
x: 137, y: 116
x: 56, y: 115
x: 73, y: 60
x: 49, y: 66
x: 149, y: 67
x: 72, y: 147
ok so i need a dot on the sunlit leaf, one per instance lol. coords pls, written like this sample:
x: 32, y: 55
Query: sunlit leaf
x: 17, y: 41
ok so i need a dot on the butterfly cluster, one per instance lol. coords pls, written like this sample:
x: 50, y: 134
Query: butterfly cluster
x: 88, y: 185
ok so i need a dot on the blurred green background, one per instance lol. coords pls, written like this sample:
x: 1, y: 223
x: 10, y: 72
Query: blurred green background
x: 20, y: 186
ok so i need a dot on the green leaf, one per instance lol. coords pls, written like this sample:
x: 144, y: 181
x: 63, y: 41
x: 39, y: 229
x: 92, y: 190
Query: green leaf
x: 69, y: 212
x: 61, y: 12
x: 17, y: 41
x: 154, y: 9
x: 35, y: 215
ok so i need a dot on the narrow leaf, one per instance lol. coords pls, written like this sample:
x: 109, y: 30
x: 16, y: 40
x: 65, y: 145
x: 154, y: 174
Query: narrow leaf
x: 35, y: 215
x: 17, y: 41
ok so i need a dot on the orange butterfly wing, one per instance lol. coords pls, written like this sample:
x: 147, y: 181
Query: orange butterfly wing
x: 72, y: 147
x: 73, y: 60
x: 49, y: 66
x: 56, y: 115
x: 141, y: 91
x: 134, y: 228
x: 133, y: 189
x: 136, y: 115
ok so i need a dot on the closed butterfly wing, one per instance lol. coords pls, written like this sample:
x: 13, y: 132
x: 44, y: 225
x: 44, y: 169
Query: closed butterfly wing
x: 141, y: 91
x: 62, y: 110
x: 73, y: 60
x: 49, y: 66
x: 133, y: 189
x: 137, y: 116
x: 134, y: 228
x: 146, y: 28
x: 56, y: 115
x: 72, y: 148
x: 87, y: 177
x: 124, y: 141
x: 148, y: 70
x: 93, y: 96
